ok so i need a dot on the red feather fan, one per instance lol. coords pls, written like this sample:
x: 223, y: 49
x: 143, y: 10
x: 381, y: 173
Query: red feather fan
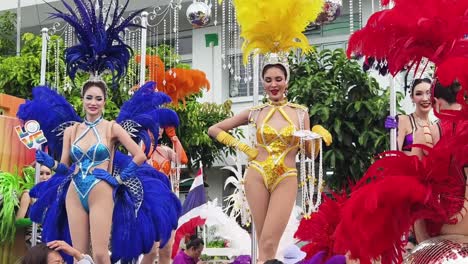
x: 398, y: 189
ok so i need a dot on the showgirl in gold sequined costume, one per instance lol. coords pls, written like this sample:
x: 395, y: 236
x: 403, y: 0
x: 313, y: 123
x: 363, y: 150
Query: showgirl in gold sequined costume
x: 272, y: 28
x: 271, y: 179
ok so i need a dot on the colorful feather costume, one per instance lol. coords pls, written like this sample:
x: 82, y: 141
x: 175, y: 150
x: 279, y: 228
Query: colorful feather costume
x: 176, y: 82
x: 397, y: 189
x: 413, y: 30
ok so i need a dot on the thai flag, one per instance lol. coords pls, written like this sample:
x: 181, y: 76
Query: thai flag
x: 192, y: 211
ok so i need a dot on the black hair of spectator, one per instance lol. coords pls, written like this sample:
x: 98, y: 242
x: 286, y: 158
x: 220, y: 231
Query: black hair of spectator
x: 448, y: 93
x: 194, y: 242
x: 37, y: 255
x: 412, y: 239
x: 273, y: 261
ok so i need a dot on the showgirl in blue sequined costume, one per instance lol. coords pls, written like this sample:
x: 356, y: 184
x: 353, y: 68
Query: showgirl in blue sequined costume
x: 96, y: 200
x: 101, y: 199
x: 96, y: 155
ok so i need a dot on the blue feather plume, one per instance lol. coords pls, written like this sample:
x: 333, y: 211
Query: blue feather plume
x: 53, y: 113
x: 145, y: 109
x: 100, y: 47
x: 155, y: 219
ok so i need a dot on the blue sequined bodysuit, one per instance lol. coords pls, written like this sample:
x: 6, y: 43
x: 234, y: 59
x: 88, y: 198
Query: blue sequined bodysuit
x: 98, y: 153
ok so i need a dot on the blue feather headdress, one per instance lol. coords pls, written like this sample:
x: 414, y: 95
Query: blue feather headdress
x: 101, y: 48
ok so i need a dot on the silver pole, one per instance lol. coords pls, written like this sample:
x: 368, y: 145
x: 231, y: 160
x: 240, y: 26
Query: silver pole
x: 253, y: 245
x: 45, y: 37
x: 256, y: 77
x: 144, y: 31
x: 393, y: 131
x: 18, y: 29
x: 34, y: 225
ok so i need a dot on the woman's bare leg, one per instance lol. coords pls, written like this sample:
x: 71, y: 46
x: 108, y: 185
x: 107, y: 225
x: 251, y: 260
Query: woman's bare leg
x: 77, y: 220
x: 150, y: 257
x: 101, y: 207
x: 282, y: 201
x: 258, y: 198
x: 166, y: 252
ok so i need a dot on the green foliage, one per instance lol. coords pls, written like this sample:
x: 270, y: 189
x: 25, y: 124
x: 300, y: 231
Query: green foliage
x: 11, y: 188
x: 168, y: 56
x: 19, y: 73
x: 347, y: 102
x: 7, y: 33
x: 195, y: 119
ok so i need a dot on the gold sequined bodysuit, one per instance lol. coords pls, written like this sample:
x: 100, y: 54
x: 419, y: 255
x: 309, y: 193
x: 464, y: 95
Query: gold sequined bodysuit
x: 278, y: 144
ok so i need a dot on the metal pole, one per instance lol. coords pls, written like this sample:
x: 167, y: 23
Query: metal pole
x: 18, y: 29
x: 45, y: 37
x: 253, y: 245
x: 34, y: 225
x: 144, y: 31
x: 213, y: 96
x: 393, y: 131
x: 256, y: 77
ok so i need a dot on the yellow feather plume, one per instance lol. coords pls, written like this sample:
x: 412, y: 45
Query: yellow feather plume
x: 275, y: 25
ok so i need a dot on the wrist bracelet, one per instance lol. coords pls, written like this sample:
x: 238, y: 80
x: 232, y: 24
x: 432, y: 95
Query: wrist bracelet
x: 119, y: 180
x: 55, y: 165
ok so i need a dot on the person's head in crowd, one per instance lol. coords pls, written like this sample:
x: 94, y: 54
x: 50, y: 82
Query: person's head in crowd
x: 41, y: 254
x: 273, y: 261
x: 445, y: 97
x: 194, y: 247
x: 409, y: 245
x: 44, y: 173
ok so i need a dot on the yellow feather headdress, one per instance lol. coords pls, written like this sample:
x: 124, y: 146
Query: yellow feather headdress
x: 275, y: 26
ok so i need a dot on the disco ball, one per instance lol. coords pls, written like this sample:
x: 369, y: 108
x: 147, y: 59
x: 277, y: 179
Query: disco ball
x: 331, y: 10
x: 198, y: 14
x: 440, y: 250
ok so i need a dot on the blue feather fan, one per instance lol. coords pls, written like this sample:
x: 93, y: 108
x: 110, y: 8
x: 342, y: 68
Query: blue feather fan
x: 53, y: 113
x: 144, y: 113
